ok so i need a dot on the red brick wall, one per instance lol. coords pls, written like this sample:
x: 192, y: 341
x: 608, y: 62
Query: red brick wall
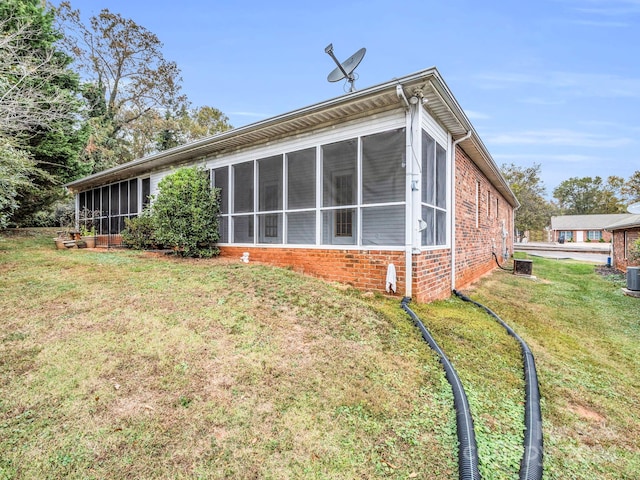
x: 474, y: 245
x: 606, y: 236
x: 618, y: 260
x: 367, y: 269
x: 364, y: 269
x: 432, y: 275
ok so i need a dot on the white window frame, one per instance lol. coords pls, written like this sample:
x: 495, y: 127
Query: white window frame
x: 596, y: 234
x: 447, y: 194
x: 351, y: 130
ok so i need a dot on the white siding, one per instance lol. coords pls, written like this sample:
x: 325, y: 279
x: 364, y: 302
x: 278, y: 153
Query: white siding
x: 369, y: 228
x: 355, y: 128
x: 155, y: 180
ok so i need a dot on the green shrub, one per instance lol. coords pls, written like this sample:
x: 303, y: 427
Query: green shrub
x: 185, y: 213
x: 61, y: 214
x: 139, y: 232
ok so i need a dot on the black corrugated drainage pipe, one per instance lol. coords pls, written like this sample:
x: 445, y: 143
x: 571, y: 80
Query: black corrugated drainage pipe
x: 498, y: 263
x: 531, y: 465
x: 468, y: 448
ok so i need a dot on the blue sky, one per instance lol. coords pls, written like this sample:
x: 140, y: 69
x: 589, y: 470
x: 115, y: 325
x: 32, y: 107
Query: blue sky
x: 553, y: 82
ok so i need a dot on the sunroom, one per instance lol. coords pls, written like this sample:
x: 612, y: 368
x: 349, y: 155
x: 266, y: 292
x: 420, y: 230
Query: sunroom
x: 342, y: 189
x: 346, y: 193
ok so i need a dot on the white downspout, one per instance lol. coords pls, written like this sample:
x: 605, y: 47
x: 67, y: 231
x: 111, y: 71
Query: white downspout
x: 453, y: 207
x: 408, y: 164
x: 412, y: 119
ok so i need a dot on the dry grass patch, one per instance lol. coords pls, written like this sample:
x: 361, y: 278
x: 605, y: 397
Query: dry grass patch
x: 118, y: 364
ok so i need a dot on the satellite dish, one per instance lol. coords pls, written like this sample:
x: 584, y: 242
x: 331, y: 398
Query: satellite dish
x: 634, y: 208
x: 346, y: 68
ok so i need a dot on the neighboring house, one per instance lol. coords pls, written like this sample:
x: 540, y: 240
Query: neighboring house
x: 583, y: 228
x: 391, y: 174
x: 625, y: 233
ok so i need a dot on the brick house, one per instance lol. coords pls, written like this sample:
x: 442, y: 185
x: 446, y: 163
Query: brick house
x: 391, y: 174
x: 584, y: 228
x: 625, y: 233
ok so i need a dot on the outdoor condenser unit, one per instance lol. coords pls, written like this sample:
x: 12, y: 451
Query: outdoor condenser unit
x: 522, y: 267
x: 633, y: 278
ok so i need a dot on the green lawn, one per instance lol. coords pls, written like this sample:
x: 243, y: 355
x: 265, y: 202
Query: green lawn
x: 120, y: 364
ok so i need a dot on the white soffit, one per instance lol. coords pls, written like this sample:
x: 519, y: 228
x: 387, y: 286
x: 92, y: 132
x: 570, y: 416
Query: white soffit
x: 361, y: 103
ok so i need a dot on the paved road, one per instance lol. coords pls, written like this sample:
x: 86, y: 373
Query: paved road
x: 594, y: 253
x: 584, y: 257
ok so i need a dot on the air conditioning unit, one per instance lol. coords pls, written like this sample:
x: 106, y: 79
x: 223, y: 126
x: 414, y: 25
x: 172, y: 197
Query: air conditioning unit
x: 633, y: 278
x: 522, y: 267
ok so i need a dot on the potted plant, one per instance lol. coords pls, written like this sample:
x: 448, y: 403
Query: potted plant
x: 88, y: 235
x: 86, y: 222
x: 64, y: 237
x: 59, y: 239
x: 64, y: 240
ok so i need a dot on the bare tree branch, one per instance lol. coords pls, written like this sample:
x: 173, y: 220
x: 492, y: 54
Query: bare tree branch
x: 25, y: 100
x: 123, y: 58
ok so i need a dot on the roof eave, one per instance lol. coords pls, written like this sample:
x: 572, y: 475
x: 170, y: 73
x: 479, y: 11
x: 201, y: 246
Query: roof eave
x: 440, y: 101
x: 459, y: 126
x: 201, y: 148
x: 632, y: 222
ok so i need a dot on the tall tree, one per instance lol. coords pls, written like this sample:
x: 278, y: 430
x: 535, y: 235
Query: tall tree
x: 535, y: 211
x: 25, y: 73
x: 631, y: 188
x: 123, y: 62
x: 189, y: 125
x: 17, y: 170
x: 205, y: 121
x: 39, y: 106
x: 587, y: 195
x: 613, y: 196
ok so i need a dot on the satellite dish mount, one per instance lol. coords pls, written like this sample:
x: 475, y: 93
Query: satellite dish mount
x: 346, y: 68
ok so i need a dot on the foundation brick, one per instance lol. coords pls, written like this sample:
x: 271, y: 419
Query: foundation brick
x: 367, y: 269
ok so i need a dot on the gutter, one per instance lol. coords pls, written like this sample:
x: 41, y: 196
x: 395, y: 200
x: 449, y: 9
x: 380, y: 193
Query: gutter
x: 204, y: 146
x: 486, y: 164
